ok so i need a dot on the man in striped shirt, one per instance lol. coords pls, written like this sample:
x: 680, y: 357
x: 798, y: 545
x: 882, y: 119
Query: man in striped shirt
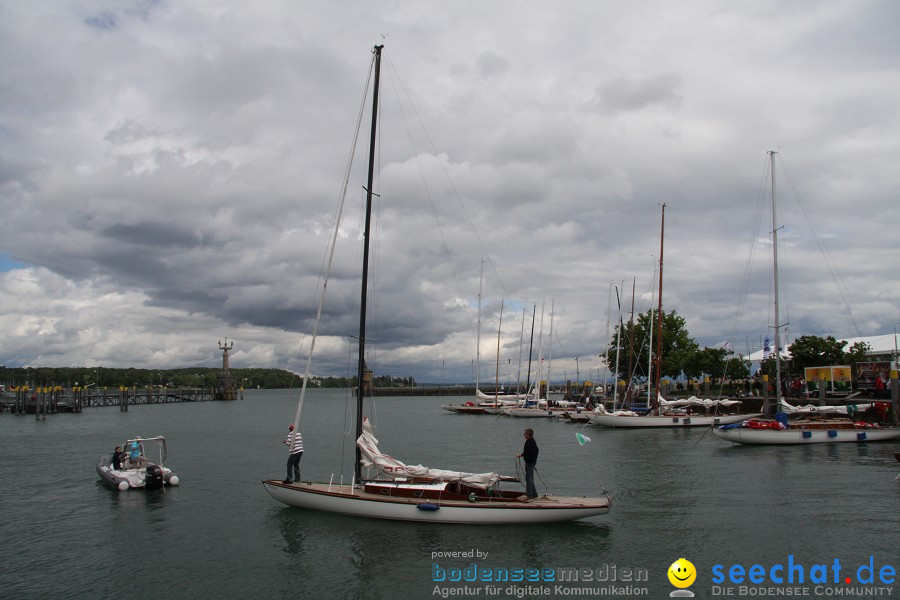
x: 295, y: 443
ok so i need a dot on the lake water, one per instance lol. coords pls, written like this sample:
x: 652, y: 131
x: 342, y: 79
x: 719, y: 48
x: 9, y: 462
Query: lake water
x: 676, y: 493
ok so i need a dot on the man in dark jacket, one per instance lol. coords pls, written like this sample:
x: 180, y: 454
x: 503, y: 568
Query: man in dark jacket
x: 530, y: 455
x: 118, y: 458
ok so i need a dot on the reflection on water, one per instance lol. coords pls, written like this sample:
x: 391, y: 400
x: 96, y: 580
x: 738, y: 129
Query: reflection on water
x: 219, y: 534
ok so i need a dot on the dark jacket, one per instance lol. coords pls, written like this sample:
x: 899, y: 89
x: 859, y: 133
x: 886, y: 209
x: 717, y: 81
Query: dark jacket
x: 117, y: 459
x: 530, y: 453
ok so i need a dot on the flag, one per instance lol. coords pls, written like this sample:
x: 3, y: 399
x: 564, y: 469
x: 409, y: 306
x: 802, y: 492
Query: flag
x: 582, y: 439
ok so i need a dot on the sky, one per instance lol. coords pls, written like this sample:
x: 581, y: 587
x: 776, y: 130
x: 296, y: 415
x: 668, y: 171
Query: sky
x: 170, y: 173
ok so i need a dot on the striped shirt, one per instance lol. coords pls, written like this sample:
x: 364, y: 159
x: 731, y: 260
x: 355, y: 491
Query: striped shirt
x: 298, y: 442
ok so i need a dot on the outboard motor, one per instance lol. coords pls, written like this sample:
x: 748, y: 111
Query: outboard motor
x: 154, y: 477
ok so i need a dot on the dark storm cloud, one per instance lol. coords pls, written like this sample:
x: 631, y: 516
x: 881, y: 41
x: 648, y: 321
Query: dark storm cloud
x: 169, y: 173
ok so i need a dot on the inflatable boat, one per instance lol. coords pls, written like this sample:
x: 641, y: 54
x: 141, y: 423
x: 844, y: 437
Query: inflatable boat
x: 135, y: 469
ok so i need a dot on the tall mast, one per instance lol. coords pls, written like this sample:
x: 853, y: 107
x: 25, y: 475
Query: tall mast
x: 478, y: 330
x: 619, y: 327
x: 775, y: 272
x: 650, y: 354
x: 360, y: 387
x: 521, y: 341
x: 497, y: 369
x: 659, y: 312
x: 530, y: 346
x: 630, y: 371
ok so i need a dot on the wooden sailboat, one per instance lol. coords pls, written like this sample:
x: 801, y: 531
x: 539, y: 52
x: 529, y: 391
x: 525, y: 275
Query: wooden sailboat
x: 416, y: 493
x: 804, y: 429
x: 663, y: 413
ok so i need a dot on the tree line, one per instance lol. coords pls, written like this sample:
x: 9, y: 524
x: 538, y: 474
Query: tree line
x: 681, y: 355
x: 194, y: 377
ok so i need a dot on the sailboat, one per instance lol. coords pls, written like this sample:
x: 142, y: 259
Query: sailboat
x: 665, y: 413
x: 416, y: 493
x: 804, y: 428
x: 484, y: 403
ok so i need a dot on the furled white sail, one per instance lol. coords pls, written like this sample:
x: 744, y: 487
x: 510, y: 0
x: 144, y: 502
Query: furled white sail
x: 695, y: 401
x: 849, y: 409
x: 394, y: 469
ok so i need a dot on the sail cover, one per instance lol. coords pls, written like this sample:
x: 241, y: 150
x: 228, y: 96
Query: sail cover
x: 695, y: 401
x: 394, y: 469
x: 849, y: 409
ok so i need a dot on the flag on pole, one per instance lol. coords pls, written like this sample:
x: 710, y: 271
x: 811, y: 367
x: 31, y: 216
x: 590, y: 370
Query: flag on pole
x: 582, y: 439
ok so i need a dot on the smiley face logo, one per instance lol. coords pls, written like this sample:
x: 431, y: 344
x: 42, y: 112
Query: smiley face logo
x: 682, y: 573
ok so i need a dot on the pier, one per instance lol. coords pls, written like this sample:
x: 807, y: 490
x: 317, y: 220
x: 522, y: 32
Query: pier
x: 51, y: 400
x: 41, y: 401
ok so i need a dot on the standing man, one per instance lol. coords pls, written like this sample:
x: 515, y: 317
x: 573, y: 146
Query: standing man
x: 136, y: 458
x: 530, y: 454
x: 295, y: 443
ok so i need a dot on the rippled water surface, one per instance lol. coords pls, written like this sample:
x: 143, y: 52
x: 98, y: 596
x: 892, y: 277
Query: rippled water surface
x: 675, y: 493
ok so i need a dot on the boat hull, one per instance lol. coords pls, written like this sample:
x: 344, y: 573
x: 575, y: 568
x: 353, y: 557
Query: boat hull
x: 609, y: 420
x: 747, y: 435
x: 341, y: 499
x: 125, y: 479
x: 529, y: 413
x: 463, y: 409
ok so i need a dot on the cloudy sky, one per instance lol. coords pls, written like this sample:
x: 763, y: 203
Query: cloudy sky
x: 170, y: 172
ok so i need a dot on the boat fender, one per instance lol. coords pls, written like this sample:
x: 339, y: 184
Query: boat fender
x: 861, y: 436
x: 471, y: 496
x: 122, y: 485
x: 427, y: 506
x: 172, y: 479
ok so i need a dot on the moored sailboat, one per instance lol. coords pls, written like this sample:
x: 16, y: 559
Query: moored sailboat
x: 670, y: 414
x: 663, y: 413
x: 416, y: 493
x: 807, y: 426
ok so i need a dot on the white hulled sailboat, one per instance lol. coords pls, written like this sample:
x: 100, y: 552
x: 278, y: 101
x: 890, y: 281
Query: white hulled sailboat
x: 415, y: 493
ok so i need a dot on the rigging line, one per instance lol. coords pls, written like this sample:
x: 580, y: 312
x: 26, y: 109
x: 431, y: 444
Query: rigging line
x: 754, y: 244
x: 334, y: 237
x: 336, y: 217
x: 829, y: 262
x: 347, y: 425
x: 392, y: 74
x: 645, y: 341
x: 456, y: 194
x: 375, y: 262
x: 748, y: 264
x: 748, y: 268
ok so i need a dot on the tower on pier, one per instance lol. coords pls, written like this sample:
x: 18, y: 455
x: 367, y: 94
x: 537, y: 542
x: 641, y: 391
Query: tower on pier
x: 225, y: 386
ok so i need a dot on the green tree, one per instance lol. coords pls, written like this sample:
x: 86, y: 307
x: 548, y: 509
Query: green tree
x: 708, y: 361
x: 815, y: 351
x: 858, y: 352
x: 736, y: 368
x: 677, y: 345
